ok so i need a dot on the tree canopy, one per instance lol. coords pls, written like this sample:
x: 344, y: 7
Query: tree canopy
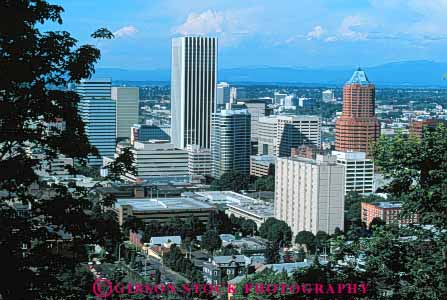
x: 211, y: 241
x: 231, y: 181
x: 275, y: 230
x: 36, y: 68
x: 307, y: 239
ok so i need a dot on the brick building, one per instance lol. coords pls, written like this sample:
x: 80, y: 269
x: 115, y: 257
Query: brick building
x: 357, y: 127
x: 386, y: 211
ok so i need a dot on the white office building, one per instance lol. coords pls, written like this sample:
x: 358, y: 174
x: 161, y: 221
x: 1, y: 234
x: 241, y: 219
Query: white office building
x: 359, y: 171
x: 233, y: 94
x: 267, y: 127
x: 57, y: 166
x: 199, y: 161
x: 328, y: 96
x: 222, y: 93
x: 157, y: 159
x: 309, y: 194
x: 230, y: 147
x: 127, y: 109
x: 98, y: 112
x: 193, y: 90
x: 277, y: 135
x: 279, y: 98
x: 256, y: 108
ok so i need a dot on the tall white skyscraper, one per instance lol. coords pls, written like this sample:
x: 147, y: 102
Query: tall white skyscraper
x: 193, y: 90
x: 309, y: 194
x: 98, y: 112
x: 127, y: 100
x: 223, y: 93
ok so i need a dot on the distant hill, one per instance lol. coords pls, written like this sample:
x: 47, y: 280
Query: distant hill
x: 406, y: 73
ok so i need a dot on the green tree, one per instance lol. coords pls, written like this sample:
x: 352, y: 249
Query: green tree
x: 221, y: 222
x: 275, y: 230
x: 301, y: 255
x: 248, y: 227
x: 132, y: 223
x: 265, y: 183
x: 211, y: 241
x: 418, y: 172
x: 307, y: 239
x: 321, y: 239
x: 35, y: 69
x: 376, y: 222
x: 231, y: 181
x: 122, y: 165
x: 272, y: 253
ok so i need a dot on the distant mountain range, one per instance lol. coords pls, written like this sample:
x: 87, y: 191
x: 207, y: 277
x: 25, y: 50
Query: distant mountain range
x: 406, y: 73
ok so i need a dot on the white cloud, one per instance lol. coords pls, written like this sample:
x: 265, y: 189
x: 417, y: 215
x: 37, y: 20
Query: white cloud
x: 126, y: 31
x: 331, y: 39
x: 230, y: 25
x: 207, y: 22
x: 316, y: 33
x: 348, y: 28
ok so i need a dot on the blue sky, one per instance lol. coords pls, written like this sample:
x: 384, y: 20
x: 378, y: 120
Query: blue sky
x: 297, y: 33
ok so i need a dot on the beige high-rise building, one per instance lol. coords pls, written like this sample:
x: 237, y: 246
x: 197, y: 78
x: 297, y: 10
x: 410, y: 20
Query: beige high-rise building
x: 277, y: 135
x: 199, y: 161
x: 256, y: 108
x: 309, y: 194
x: 127, y: 108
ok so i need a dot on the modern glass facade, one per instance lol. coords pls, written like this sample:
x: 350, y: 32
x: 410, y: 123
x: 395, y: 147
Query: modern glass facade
x: 98, y: 112
x: 142, y: 133
x: 127, y: 109
x: 230, y: 146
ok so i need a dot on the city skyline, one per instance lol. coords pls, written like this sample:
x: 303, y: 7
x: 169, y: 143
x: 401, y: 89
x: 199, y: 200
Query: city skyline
x: 360, y: 33
x: 112, y: 188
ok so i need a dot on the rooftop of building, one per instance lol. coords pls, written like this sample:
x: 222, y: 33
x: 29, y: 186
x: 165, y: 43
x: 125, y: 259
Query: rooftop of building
x: 387, y: 205
x: 252, y: 101
x: 222, y: 197
x: 232, y: 112
x: 258, y: 208
x: 359, y: 77
x: 320, y: 160
x: 267, y: 159
x: 149, y: 204
x: 155, y: 145
x: 151, y: 126
x: 350, y: 155
x: 288, y: 117
x: 244, y: 243
x: 161, y: 240
x: 228, y: 198
x: 227, y: 238
x: 286, y: 267
x: 240, y: 259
